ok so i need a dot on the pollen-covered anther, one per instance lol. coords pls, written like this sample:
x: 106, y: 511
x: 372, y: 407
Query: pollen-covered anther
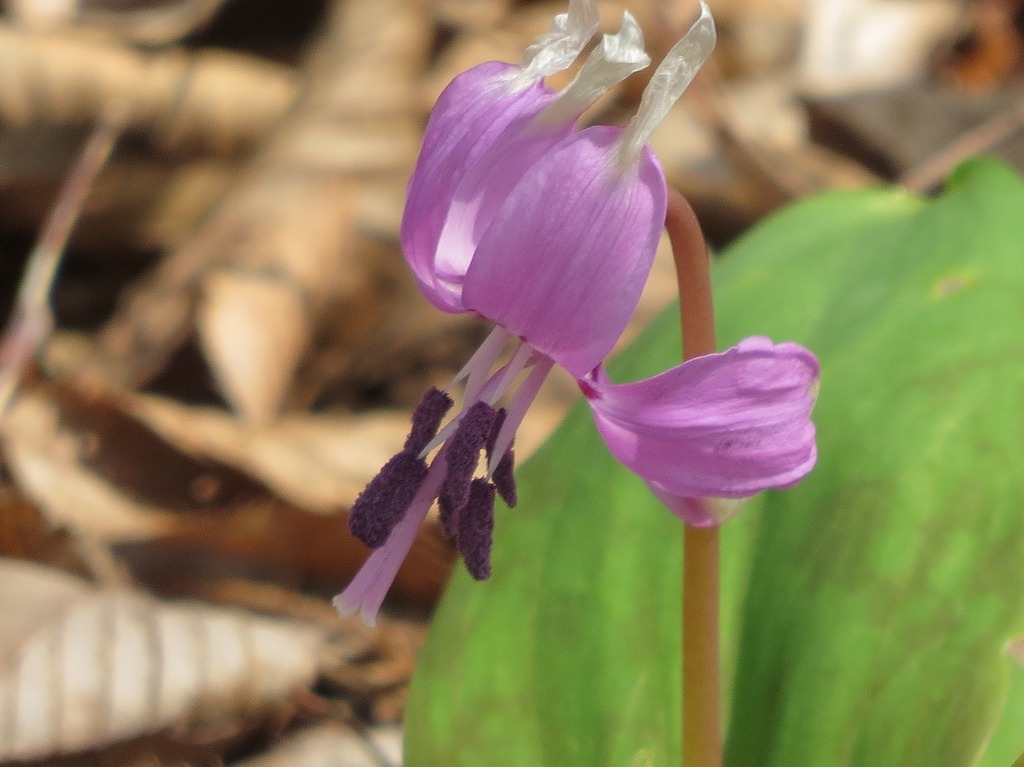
x: 476, y: 529
x: 503, y: 476
x: 426, y: 419
x: 449, y: 516
x: 462, y: 451
x: 386, y: 498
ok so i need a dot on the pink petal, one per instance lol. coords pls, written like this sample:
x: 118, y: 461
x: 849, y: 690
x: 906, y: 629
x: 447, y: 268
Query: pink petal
x: 725, y: 425
x: 486, y: 187
x: 475, y: 108
x: 564, y: 261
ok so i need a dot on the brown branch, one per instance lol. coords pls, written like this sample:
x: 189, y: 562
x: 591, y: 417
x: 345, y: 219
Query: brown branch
x: 32, y: 318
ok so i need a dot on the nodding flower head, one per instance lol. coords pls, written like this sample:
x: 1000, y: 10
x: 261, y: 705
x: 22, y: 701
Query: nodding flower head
x: 550, y: 232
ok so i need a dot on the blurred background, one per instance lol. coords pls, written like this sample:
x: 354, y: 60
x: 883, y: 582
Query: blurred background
x: 236, y: 343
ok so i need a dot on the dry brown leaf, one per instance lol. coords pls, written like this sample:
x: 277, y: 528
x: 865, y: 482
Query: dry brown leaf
x: 244, y: 361
x: 471, y: 14
x: 334, y: 745
x: 46, y: 460
x: 319, y: 462
x: 285, y: 539
x: 83, y: 667
x: 90, y: 466
x: 152, y: 23
x: 863, y: 45
x: 289, y: 218
x: 26, y: 533
x: 212, y: 99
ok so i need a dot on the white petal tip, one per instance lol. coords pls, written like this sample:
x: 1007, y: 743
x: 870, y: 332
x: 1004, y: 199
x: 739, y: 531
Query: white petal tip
x: 347, y: 610
x: 627, y: 45
x: 559, y: 48
x: 670, y: 79
x: 612, y: 61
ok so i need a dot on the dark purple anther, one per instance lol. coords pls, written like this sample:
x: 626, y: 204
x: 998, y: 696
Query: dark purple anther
x: 476, y: 529
x: 426, y: 419
x: 449, y: 516
x: 462, y: 451
x: 503, y: 477
x: 385, y: 500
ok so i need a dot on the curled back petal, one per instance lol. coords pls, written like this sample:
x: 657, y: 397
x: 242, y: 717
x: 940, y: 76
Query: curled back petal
x: 484, y: 189
x: 564, y: 261
x: 724, y: 425
x: 475, y: 108
x: 530, y: 135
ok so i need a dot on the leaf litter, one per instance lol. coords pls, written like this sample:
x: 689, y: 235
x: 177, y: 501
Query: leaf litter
x: 178, y: 470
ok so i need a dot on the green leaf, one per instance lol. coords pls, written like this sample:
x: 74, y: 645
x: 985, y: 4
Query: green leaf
x: 866, y: 613
x: 885, y: 588
x: 539, y: 664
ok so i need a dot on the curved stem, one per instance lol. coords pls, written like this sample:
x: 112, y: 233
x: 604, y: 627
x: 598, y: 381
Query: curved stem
x: 702, y: 730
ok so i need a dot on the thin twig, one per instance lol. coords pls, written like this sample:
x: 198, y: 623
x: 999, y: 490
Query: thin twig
x: 988, y: 134
x: 702, y: 731
x: 32, y: 318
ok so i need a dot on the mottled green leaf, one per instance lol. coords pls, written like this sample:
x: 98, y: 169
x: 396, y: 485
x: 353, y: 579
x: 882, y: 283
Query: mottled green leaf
x: 885, y: 588
x: 867, y: 612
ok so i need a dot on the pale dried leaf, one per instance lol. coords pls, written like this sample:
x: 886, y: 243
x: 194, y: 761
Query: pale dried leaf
x: 252, y: 360
x: 46, y: 460
x: 334, y: 745
x: 765, y: 110
x: 255, y: 317
x: 367, y: 146
x: 291, y: 215
x: 318, y: 462
x: 91, y: 465
x: 472, y: 14
x: 80, y: 667
x: 153, y: 23
x: 213, y: 99
x: 858, y: 45
x: 42, y: 14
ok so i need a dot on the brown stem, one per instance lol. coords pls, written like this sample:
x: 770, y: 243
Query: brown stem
x: 702, y: 731
x: 32, y: 318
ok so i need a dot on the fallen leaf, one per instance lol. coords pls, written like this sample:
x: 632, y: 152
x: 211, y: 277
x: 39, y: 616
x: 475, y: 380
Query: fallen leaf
x: 334, y: 744
x: 215, y: 100
x: 82, y: 667
x: 149, y: 22
x: 45, y: 460
x: 858, y: 45
x: 318, y: 461
x: 289, y: 218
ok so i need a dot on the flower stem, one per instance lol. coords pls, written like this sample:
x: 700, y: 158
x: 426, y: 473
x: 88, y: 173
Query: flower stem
x: 702, y: 731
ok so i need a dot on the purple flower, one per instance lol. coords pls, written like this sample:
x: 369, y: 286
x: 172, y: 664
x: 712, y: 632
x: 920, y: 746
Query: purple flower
x: 550, y: 233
